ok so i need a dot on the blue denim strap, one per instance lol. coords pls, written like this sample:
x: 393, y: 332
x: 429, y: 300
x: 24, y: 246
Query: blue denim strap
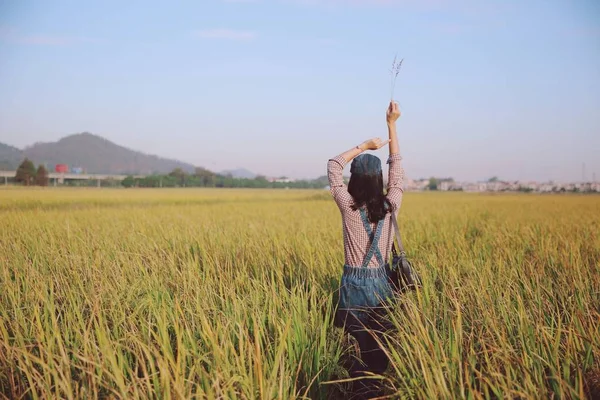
x: 374, y: 248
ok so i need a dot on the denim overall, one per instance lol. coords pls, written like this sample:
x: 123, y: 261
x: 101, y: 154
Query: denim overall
x: 364, y: 289
x: 363, y: 295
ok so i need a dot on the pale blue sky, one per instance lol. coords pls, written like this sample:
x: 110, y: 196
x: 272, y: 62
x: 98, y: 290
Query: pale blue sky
x: 507, y: 88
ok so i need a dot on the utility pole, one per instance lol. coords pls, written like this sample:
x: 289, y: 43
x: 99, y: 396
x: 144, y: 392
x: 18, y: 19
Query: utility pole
x: 583, y: 172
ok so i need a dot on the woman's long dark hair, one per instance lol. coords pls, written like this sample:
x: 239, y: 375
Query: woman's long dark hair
x: 368, y: 190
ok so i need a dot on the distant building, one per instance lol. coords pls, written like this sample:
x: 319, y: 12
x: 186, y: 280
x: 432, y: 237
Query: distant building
x: 282, y: 179
x: 416, y: 185
x: 61, y: 168
x: 502, y: 186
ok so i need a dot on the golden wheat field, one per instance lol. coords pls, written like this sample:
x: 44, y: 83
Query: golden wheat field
x: 174, y: 294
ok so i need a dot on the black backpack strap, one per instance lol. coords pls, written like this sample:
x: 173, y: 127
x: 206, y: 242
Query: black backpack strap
x: 398, y: 237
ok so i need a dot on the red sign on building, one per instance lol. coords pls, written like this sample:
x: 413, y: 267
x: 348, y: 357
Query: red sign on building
x: 61, y: 168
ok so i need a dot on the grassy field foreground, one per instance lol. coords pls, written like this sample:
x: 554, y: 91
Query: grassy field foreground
x: 226, y: 294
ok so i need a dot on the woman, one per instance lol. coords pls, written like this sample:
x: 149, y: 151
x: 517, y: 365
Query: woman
x: 368, y: 238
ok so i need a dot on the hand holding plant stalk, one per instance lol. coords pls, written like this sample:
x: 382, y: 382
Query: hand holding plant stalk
x: 393, y: 113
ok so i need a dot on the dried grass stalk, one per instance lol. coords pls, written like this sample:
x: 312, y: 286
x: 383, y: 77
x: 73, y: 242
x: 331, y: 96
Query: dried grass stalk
x: 396, y: 65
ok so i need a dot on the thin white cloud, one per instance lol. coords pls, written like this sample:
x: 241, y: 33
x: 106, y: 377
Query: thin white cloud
x: 43, y: 40
x: 474, y: 7
x: 12, y: 36
x: 325, y: 2
x: 226, y: 34
x: 49, y: 40
x: 367, y: 2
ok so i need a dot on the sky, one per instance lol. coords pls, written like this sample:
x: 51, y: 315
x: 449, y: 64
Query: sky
x: 487, y: 88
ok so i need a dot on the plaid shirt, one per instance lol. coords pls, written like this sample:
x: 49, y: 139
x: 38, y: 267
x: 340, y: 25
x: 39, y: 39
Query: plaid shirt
x: 356, y: 240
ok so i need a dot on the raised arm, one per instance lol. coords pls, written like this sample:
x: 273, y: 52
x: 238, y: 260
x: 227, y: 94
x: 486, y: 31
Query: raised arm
x: 335, y: 167
x: 392, y: 115
x: 395, y: 172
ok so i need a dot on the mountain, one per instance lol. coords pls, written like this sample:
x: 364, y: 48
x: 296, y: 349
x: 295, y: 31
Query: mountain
x: 10, y: 157
x: 97, y: 155
x: 240, y: 173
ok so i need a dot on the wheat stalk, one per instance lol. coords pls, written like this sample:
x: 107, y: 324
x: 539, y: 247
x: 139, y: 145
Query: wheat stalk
x: 396, y: 65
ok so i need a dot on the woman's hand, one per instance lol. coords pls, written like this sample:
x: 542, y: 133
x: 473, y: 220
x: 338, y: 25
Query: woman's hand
x: 373, y: 144
x: 393, y: 112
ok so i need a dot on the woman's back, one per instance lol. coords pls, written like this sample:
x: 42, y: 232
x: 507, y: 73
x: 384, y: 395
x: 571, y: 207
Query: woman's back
x: 356, y: 238
x: 364, y: 287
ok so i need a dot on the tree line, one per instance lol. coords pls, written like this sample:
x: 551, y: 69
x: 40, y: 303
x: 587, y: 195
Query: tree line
x: 28, y: 175
x: 206, y: 178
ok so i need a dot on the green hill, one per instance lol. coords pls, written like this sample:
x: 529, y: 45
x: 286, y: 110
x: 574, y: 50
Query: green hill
x: 96, y: 154
x: 10, y: 157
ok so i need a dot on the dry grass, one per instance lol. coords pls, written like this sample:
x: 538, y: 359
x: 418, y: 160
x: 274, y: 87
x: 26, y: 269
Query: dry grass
x: 226, y: 294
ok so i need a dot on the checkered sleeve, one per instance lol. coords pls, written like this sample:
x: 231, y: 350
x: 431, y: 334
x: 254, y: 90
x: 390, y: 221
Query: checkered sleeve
x: 335, y: 167
x: 395, y: 180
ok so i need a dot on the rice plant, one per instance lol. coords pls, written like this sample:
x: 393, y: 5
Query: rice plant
x: 226, y: 294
